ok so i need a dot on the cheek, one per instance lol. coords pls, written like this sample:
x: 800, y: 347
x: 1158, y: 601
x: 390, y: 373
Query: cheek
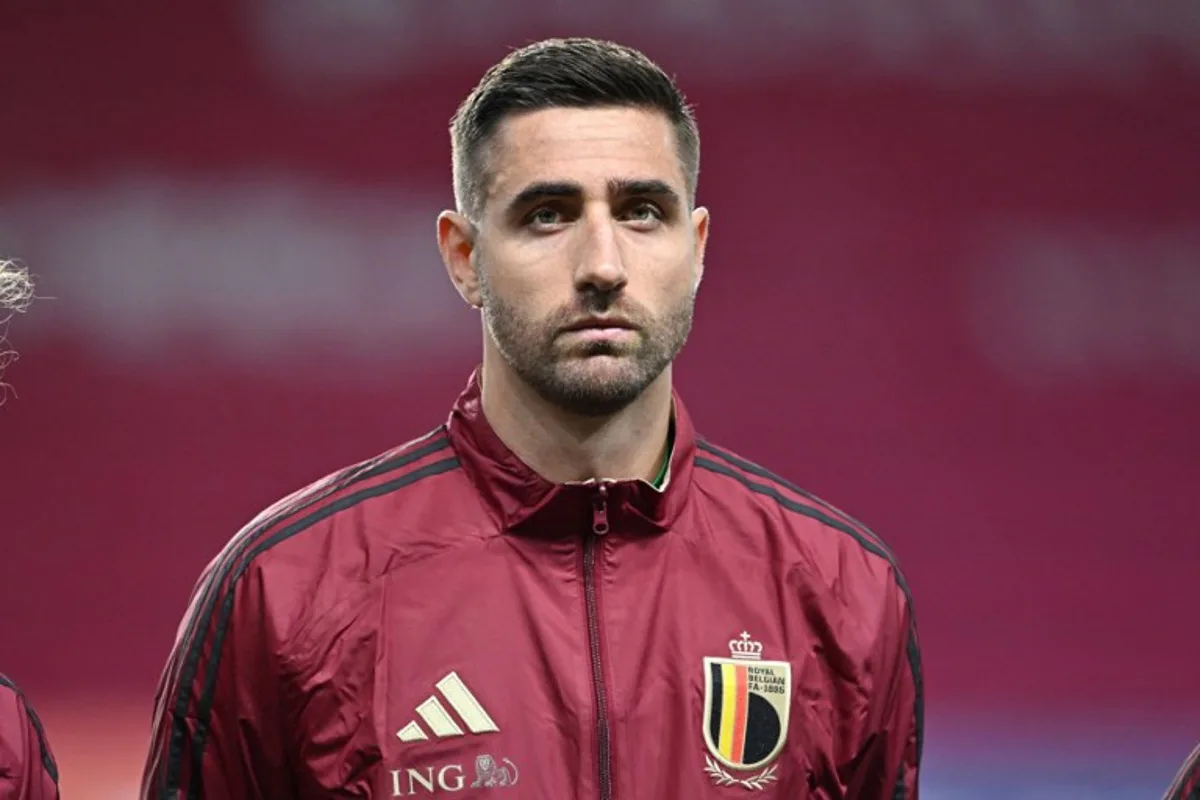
x: 521, y: 295
x: 674, y: 280
x: 669, y: 257
x: 531, y: 274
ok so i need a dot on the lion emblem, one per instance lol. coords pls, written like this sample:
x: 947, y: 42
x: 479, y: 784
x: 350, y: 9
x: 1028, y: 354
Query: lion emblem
x: 490, y: 773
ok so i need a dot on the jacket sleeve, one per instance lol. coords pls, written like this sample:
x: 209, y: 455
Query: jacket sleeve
x: 888, y: 761
x: 1186, y: 785
x: 217, y: 729
x: 27, y: 768
x: 904, y: 730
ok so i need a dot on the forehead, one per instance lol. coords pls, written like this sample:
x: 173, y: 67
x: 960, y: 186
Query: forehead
x: 588, y: 146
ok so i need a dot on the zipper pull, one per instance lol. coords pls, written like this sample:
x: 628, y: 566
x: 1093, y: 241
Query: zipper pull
x: 600, y: 511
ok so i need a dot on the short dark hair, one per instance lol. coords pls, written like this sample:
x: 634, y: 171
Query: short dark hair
x: 564, y: 73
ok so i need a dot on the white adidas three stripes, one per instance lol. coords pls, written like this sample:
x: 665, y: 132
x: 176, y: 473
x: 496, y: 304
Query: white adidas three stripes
x: 439, y: 719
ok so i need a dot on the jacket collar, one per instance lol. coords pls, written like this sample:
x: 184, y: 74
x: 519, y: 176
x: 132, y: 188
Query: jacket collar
x: 525, y: 502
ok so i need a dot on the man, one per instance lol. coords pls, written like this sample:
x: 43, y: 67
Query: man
x: 562, y: 590
x: 27, y: 768
x: 1187, y: 783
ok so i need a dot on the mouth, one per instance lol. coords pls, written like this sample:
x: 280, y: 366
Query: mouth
x: 601, y: 335
x: 601, y: 324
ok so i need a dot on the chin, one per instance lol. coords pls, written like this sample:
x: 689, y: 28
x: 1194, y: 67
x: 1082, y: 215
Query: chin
x: 601, y: 369
x: 606, y: 376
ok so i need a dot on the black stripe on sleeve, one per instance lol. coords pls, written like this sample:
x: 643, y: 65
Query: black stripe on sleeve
x: 300, y: 502
x: 1188, y: 778
x: 766, y: 474
x: 208, y: 690
x: 430, y: 443
x: 43, y: 745
x: 869, y: 544
x: 192, y: 644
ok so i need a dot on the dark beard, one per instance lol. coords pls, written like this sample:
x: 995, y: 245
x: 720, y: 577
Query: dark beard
x: 535, y: 353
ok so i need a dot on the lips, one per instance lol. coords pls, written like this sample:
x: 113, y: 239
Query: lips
x: 600, y: 323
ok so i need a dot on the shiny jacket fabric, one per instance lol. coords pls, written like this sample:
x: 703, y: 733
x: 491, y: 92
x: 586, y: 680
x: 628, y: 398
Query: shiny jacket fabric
x: 1186, y: 785
x: 27, y: 768
x: 441, y: 621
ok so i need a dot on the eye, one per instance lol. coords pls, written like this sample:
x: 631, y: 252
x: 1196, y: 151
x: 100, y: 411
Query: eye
x: 544, y: 217
x: 644, y: 214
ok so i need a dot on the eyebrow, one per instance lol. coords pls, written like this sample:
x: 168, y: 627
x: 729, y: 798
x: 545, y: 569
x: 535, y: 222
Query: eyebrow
x: 544, y: 190
x: 622, y: 187
x: 616, y: 187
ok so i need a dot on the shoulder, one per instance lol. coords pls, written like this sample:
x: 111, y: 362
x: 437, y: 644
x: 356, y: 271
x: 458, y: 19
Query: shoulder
x: 12, y: 702
x: 298, y: 540
x: 1187, y: 782
x: 314, y: 545
x: 12, y: 699
x: 806, y: 529
x: 303, y: 518
x: 20, y: 728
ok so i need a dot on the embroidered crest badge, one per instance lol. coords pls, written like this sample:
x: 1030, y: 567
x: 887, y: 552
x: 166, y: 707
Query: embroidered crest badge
x: 746, y: 704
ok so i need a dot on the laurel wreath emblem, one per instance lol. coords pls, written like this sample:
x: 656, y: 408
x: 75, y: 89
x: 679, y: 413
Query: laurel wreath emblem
x: 723, y: 778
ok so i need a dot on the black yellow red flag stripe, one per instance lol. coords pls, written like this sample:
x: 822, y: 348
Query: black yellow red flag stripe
x: 746, y: 704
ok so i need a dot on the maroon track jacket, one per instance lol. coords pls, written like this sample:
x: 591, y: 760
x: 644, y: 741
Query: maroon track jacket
x: 440, y: 621
x: 1187, y: 783
x: 27, y: 769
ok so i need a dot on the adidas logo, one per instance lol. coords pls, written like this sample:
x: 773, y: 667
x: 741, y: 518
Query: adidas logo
x: 469, y: 710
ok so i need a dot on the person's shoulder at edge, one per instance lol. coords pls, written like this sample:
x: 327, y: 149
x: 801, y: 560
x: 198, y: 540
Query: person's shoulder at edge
x: 811, y: 525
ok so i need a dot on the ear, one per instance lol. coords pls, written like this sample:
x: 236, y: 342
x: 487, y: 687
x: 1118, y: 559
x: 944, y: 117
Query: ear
x: 456, y: 241
x: 700, y: 222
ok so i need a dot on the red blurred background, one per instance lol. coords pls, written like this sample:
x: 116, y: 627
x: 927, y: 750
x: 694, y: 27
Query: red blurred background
x: 953, y: 286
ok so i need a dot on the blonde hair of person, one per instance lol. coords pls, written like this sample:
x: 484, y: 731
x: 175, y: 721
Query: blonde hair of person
x: 16, y: 293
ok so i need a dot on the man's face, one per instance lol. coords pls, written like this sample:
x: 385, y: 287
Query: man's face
x: 587, y: 256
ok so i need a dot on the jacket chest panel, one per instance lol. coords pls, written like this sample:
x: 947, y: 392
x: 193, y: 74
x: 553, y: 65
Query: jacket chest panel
x: 472, y: 677
x: 710, y: 677
x: 481, y: 675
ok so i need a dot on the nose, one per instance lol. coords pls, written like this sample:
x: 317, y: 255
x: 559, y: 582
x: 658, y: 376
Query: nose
x: 601, y: 266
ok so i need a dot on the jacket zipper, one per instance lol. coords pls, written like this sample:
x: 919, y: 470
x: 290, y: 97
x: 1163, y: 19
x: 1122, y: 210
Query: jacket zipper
x: 599, y: 529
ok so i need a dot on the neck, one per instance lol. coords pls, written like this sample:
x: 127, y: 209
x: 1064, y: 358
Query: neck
x: 564, y: 447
